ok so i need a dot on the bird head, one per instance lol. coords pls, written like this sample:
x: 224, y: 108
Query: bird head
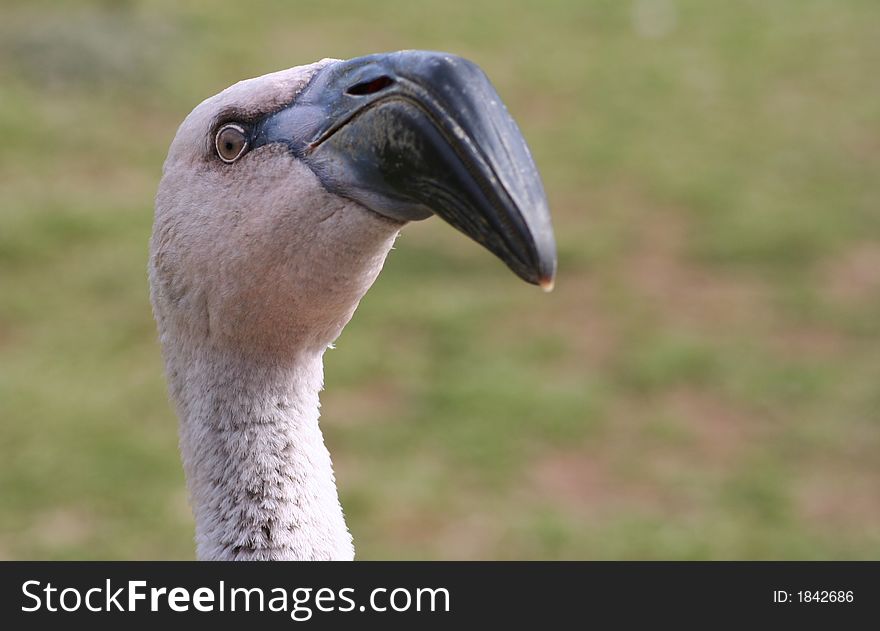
x: 282, y: 195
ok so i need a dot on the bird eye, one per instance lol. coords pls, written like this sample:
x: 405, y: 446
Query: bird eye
x: 230, y: 142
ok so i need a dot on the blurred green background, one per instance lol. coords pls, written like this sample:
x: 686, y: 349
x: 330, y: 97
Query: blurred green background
x: 703, y: 383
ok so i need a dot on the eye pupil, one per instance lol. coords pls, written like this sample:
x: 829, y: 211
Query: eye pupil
x: 231, y: 142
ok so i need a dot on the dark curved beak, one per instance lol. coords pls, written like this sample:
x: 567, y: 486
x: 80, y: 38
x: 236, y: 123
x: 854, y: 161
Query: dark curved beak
x: 415, y: 133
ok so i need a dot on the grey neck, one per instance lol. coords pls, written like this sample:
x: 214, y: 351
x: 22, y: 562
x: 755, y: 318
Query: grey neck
x: 260, y: 478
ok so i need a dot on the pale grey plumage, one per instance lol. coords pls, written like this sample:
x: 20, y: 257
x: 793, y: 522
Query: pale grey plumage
x: 247, y: 297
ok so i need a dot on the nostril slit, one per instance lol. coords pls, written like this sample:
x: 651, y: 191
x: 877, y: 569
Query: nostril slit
x: 370, y: 87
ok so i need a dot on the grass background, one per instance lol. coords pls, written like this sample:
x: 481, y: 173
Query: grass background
x: 703, y: 383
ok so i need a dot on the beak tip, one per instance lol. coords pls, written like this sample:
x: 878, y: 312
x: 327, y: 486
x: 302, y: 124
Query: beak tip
x: 546, y: 283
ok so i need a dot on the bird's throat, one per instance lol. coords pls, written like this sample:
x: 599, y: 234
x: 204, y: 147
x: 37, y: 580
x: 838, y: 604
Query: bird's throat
x: 260, y: 478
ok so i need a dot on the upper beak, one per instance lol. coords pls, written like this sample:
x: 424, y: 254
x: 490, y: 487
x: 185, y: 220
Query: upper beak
x: 415, y: 133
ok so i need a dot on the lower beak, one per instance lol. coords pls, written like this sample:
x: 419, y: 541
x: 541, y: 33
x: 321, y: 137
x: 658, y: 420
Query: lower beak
x: 415, y: 133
